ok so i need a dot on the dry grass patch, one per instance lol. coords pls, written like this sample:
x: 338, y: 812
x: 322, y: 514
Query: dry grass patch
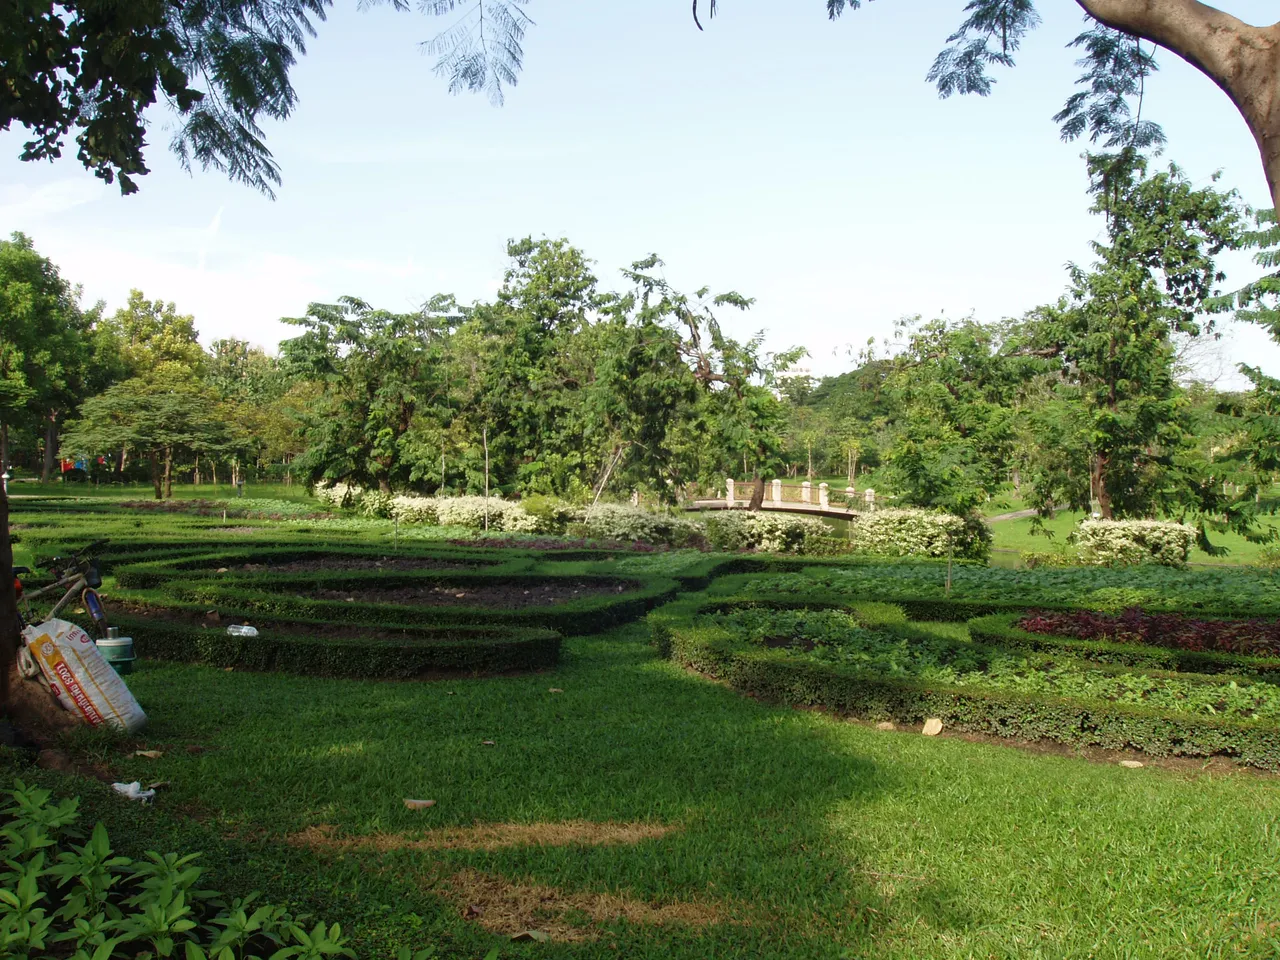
x: 490, y: 836
x: 503, y: 906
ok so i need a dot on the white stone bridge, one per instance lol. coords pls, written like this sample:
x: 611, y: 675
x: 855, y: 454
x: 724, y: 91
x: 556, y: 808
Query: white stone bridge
x: 792, y: 498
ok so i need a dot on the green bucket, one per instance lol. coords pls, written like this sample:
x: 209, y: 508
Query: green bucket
x: 117, y: 651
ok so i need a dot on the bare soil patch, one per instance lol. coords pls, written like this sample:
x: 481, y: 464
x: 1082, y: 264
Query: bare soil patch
x: 507, y: 907
x: 213, y: 620
x: 503, y: 596
x: 491, y: 836
x: 340, y: 564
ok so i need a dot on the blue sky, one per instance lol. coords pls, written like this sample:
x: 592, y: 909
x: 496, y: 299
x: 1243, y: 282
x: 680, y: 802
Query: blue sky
x: 802, y: 162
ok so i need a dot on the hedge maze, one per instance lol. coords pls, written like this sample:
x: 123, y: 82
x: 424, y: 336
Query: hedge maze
x: 1166, y: 661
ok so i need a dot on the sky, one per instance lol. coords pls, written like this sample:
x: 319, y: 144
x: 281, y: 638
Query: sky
x: 804, y: 163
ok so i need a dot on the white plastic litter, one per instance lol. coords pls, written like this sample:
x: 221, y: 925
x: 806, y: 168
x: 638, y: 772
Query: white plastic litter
x: 242, y: 630
x: 134, y: 791
x: 80, y: 677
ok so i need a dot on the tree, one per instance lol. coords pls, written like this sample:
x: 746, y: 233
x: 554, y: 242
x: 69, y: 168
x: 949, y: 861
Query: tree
x: 46, y: 345
x: 376, y: 367
x: 1111, y: 343
x: 162, y: 414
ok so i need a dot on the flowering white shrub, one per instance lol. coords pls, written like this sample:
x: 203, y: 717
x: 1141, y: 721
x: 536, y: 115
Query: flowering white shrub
x: 1116, y: 543
x: 375, y: 504
x: 336, y: 494
x: 470, y: 512
x: 914, y: 532
x: 771, y: 532
x: 610, y: 521
x: 408, y: 509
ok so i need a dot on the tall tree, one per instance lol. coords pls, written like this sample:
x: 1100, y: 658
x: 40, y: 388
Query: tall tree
x: 1111, y: 338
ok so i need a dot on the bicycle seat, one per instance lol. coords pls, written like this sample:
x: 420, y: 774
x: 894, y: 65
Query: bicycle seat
x: 19, y: 571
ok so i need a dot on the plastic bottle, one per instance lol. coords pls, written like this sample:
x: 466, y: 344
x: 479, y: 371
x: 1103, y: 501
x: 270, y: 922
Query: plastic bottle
x: 242, y: 630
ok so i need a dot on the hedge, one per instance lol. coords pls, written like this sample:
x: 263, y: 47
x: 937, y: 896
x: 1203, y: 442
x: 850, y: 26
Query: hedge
x: 205, y: 564
x: 1002, y: 630
x: 284, y: 646
x: 1126, y: 542
x: 775, y: 678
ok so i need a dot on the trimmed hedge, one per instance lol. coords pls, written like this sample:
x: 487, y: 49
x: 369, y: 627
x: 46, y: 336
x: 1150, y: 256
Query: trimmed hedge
x: 775, y: 677
x: 1002, y: 630
x: 285, y: 646
x: 204, y: 565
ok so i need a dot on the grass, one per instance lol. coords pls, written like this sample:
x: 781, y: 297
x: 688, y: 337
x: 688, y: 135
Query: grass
x: 806, y: 836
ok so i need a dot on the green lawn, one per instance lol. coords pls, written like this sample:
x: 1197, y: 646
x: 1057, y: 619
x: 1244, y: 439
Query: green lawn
x: 793, y: 834
x: 1020, y: 535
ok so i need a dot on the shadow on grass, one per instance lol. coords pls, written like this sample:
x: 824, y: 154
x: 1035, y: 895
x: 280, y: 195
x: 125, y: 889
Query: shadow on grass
x: 748, y: 790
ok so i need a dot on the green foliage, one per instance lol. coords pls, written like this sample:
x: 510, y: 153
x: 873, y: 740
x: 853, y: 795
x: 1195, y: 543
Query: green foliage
x: 920, y: 533
x: 1127, y: 542
x: 733, y: 530
x: 608, y: 521
x: 60, y: 898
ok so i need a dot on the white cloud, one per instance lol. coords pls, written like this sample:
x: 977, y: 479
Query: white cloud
x: 27, y: 204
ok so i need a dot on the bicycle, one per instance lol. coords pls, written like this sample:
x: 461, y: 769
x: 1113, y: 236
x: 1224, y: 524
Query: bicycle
x: 80, y: 576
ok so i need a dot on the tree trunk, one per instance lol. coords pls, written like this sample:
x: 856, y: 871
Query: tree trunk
x: 757, y: 493
x: 384, y: 485
x: 50, y: 446
x: 155, y: 476
x: 1100, y: 485
x: 213, y: 469
x: 10, y: 636
x: 124, y: 459
x: 1242, y: 59
x: 168, y: 473
x: 195, y: 474
x: 4, y: 447
x: 809, y: 451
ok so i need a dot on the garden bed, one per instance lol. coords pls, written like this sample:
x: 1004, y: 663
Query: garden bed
x: 504, y: 596
x: 865, y: 662
x: 1178, y: 631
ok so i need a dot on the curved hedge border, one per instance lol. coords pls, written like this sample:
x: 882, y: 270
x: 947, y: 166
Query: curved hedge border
x: 1002, y: 630
x: 774, y: 677
x: 283, y: 646
x: 204, y: 565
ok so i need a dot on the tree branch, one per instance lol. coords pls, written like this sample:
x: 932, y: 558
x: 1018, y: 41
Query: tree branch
x: 1242, y: 59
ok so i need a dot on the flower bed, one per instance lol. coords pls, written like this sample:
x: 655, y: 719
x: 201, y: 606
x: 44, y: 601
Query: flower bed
x: 1249, y: 637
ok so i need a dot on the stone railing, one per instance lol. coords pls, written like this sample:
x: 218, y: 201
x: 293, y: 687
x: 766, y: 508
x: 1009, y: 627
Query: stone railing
x: 777, y: 494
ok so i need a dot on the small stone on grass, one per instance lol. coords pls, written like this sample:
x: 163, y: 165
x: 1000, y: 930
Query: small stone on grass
x: 932, y: 727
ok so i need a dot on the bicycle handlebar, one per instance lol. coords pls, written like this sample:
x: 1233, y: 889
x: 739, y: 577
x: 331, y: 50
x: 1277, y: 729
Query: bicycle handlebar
x: 91, y: 548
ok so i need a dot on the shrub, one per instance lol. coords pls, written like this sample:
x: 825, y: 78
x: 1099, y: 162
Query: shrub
x: 336, y: 494
x: 375, y: 504
x: 415, y: 510
x: 471, y: 511
x: 548, y: 514
x: 903, y: 532
x: 1117, y: 543
x: 1032, y: 559
x: 609, y: 521
x: 770, y: 532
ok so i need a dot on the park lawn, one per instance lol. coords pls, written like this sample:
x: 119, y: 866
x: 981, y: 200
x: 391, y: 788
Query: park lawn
x: 1021, y: 535
x: 791, y: 834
